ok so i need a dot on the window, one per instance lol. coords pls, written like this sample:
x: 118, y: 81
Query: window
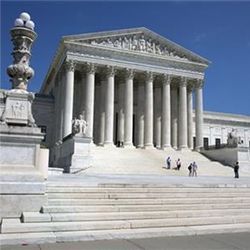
x: 217, y: 142
x: 205, y: 142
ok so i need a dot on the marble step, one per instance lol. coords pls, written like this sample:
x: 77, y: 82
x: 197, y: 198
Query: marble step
x: 150, y: 201
x: 151, y: 232
x: 79, y: 195
x: 141, y: 189
x: 145, y: 215
x: 69, y: 236
x: 131, y: 208
x: 40, y: 217
x: 173, y: 185
x: 7, y: 227
x: 27, y: 238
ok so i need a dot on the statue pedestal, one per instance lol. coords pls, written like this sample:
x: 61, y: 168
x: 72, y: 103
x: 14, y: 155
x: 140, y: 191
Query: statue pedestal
x: 18, y: 108
x: 74, y: 154
x: 23, y: 163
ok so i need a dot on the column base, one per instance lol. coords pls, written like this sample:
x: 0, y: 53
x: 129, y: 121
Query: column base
x: 109, y: 145
x: 149, y: 146
x: 128, y: 145
x: 165, y: 147
x: 183, y: 148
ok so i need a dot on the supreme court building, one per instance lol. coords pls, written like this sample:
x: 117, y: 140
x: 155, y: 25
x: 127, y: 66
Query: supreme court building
x: 133, y: 87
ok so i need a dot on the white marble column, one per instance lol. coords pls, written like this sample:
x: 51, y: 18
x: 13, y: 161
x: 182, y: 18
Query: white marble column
x: 166, y: 112
x: 57, y: 108
x: 158, y: 118
x: 190, y: 116
x: 69, y: 95
x: 183, y: 113
x: 61, y: 104
x: 199, y: 115
x: 109, y: 107
x: 120, y: 135
x: 128, y: 114
x: 89, y: 98
x: 140, y: 115
x: 82, y: 102
x: 174, y: 117
x: 102, y: 114
x: 148, y: 111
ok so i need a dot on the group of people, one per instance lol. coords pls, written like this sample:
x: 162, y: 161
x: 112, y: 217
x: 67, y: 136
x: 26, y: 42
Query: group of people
x: 168, y: 164
x: 193, y: 167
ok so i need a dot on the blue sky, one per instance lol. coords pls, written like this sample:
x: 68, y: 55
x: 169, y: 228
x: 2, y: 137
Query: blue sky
x: 218, y: 31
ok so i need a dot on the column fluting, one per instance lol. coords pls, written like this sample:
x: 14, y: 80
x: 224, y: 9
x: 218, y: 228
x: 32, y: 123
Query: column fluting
x: 166, y: 112
x: 128, y: 115
x: 109, y: 107
x: 102, y: 114
x: 157, y: 115
x: 148, y: 119
x: 140, y: 115
x: 190, y: 116
x: 183, y: 113
x: 199, y: 115
x: 120, y: 135
x: 89, y: 98
x: 174, y: 117
x: 69, y: 96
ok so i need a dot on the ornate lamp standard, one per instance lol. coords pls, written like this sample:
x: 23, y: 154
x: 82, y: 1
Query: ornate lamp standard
x: 23, y: 36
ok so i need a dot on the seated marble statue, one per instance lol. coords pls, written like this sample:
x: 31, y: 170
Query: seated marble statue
x: 232, y: 139
x: 79, y: 126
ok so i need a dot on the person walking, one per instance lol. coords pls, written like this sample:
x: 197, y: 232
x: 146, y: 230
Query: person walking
x: 194, y: 169
x: 168, y: 161
x: 190, y: 167
x: 178, y: 164
x: 236, y: 170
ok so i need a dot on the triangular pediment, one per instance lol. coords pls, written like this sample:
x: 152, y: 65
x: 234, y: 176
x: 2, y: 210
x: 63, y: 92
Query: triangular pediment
x: 139, y: 40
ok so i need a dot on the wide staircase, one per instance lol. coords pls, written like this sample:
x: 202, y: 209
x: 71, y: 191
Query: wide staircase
x: 76, y: 212
x: 113, y: 160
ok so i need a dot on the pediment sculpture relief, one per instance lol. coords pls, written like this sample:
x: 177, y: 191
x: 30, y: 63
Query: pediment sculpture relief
x: 137, y: 43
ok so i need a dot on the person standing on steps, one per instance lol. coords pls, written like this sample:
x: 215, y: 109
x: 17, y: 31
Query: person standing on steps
x: 168, y: 162
x: 178, y: 164
x: 190, y: 167
x: 194, y: 169
x: 236, y: 170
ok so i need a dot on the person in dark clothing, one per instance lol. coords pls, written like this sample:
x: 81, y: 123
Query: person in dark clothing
x: 236, y: 170
x: 190, y: 167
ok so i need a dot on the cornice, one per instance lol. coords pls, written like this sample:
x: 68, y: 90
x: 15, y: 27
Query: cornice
x: 76, y: 47
x: 140, y: 30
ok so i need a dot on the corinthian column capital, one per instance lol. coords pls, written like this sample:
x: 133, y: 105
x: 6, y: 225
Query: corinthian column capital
x: 90, y: 68
x: 199, y: 83
x: 149, y: 76
x: 167, y: 79
x: 183, y: 82
x: 70, y: 65
x: 129, y: 74
x: 110, y: 71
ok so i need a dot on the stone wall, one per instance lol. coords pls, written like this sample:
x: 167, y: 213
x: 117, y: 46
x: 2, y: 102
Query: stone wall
x: 44, y: 113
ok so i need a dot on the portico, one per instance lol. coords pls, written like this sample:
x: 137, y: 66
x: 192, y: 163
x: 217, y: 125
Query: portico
x: 133, y: 87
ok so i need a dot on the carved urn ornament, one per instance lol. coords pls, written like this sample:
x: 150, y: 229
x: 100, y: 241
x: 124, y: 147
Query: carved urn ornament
x: 23, y: 36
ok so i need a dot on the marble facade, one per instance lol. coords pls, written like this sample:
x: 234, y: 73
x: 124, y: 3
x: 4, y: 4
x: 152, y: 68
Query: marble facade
x: 133, y: 87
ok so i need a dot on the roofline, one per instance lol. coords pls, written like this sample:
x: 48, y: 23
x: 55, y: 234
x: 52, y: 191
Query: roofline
x: 132, y: 30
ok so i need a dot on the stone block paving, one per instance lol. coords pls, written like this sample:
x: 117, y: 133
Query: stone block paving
x: 237, y: 241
